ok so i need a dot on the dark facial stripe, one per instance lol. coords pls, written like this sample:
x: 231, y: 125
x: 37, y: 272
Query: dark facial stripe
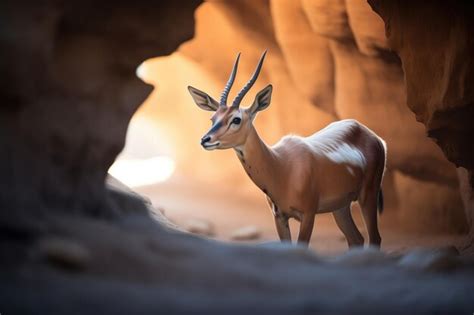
x: 215, y: 127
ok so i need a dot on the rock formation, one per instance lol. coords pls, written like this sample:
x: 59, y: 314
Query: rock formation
x: 437, y: 57
x: 69, y: 90
x: 327, y: 60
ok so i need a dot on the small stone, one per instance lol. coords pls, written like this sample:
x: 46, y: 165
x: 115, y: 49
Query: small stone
x: 200, y: 227
x: 161, y: 210
x: 246, y: 233
x: 65, y: 254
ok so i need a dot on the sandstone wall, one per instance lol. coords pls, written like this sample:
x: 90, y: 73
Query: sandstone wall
x: 435, y: 44
x: 327, y: 60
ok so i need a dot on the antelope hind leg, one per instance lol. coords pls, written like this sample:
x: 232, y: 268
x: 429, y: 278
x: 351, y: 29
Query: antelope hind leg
x: 369, y: 212
x: 344, y: 221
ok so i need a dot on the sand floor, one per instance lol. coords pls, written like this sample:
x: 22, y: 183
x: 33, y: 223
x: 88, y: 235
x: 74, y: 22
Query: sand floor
x: 229, y: 210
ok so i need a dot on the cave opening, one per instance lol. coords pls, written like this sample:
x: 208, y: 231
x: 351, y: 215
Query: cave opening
x: 321, y: 72
x: 73, y: 238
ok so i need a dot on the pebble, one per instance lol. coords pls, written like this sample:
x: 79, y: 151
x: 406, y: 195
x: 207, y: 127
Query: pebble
x: 65, y: 254
x: 200, y: 227
x: 246, y: 233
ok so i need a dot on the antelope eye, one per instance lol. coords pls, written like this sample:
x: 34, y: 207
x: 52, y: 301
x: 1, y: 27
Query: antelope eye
x: 236, y: 120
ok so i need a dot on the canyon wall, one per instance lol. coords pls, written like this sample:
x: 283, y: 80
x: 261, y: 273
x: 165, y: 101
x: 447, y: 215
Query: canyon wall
x: 69, y: 90
x: 327, y: 60
x: 435, y: 44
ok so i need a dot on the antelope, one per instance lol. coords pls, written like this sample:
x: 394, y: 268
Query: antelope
x: 302, y: 176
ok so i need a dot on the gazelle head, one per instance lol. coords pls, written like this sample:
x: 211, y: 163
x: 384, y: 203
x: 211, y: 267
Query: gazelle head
x: 231, y: 124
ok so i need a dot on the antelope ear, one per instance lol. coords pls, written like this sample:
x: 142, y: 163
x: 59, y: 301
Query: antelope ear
x: 262, y: 100
x: 203, y: 100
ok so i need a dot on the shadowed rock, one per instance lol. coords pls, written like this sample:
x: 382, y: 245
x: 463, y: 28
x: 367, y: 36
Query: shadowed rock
x: 437, y: 56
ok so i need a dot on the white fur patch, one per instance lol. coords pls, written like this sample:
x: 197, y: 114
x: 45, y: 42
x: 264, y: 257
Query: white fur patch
x: 331, y: 142
x: 347, y: 154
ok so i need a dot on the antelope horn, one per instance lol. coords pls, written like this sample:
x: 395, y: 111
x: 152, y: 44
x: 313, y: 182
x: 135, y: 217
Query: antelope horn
x: 250, y: 83
x: 228, y: 86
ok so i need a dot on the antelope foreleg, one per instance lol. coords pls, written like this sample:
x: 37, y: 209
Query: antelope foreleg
x: 306, y: 228
x: 283, y: 229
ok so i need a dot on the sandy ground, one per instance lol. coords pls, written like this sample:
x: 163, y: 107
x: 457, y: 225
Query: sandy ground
x: 229, y: 210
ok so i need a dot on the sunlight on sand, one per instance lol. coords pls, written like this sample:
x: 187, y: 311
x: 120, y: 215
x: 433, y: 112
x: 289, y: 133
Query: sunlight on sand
x: 147, y: 157
x: 141, y: 172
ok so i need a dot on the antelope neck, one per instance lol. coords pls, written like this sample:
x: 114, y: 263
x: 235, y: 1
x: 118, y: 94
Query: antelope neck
x: 258, y: 160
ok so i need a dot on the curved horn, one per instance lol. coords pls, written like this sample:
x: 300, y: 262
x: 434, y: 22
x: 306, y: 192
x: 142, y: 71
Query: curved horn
x: 228, y: 86
x: 250, y: 83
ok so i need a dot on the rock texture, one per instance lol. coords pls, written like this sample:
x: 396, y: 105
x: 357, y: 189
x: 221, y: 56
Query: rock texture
x: 437, y: 56
x: 68, y: 92
x: 367, y: 83
x: 140, y: 268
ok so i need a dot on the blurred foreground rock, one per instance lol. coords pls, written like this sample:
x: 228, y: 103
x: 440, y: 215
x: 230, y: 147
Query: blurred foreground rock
x: 136, y: 266
x: 69, y: 88
x: 443, y: 259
